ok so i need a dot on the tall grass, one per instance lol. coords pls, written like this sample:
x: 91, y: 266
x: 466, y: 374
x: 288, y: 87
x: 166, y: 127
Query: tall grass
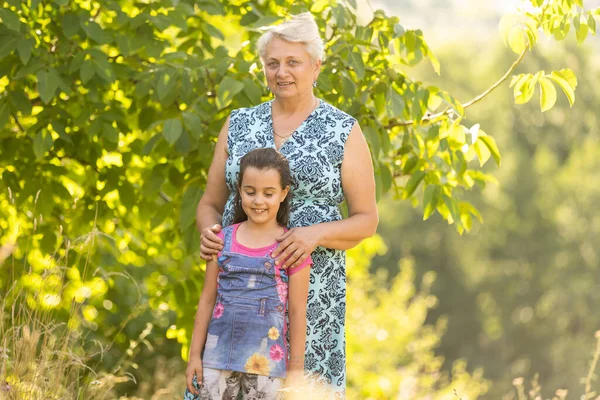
x: 40, y: 356
x: 535, y: 390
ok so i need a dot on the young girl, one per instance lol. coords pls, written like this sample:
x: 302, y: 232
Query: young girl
x: 239, y: 341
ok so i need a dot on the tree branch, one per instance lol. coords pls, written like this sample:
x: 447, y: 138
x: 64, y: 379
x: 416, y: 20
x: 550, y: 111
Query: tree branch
x: 18, y: 123
x: 431, y: 117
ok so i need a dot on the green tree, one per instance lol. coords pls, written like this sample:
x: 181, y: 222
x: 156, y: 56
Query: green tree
x: 108, y: 116
x: 391, y: 350
x: 520, y: 291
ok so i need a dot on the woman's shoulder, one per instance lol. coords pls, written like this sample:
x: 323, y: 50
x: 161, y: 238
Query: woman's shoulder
x: 259, y: 110
x: 335, y: 112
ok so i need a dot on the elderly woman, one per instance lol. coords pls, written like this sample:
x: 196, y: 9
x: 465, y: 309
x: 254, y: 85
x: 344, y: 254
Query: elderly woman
x: 330, y: 162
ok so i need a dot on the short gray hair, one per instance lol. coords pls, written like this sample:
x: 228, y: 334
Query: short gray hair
x: 301, y: 28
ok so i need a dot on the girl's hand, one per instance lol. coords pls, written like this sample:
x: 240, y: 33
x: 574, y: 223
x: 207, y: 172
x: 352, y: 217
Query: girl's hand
x: 295, y: 246
x: 194, y: 367
x: 210, y: 244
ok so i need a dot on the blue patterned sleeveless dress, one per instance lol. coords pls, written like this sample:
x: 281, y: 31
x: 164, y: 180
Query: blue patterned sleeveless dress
x: 315, y: 152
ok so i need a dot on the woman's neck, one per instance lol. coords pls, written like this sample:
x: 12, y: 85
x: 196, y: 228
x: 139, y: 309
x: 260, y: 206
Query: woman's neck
x: 294, y: 105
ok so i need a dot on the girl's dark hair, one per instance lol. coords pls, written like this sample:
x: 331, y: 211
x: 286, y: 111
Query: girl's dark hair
x: 265, y: 158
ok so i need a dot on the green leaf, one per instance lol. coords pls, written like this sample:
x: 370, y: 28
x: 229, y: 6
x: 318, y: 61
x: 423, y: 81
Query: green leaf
x: 399, y: 31
x: 386, y: 177
x: 166, y: 84
x: 189, y: 202
x: 410, y: 165
x: 516, y: 39
x: 452, y: 102
x: 482, y: 151
x: 431, y: 199
x: 395, y: 103
x: 524, y: 88
x: 4, y: 113
x: 466, y: 220
x: 146, y: 117
x: 373, y: 140
x: 21, y: 102
x: 184, y: 145
x: 227, y: 89
x: 7, y: 45
x: 172, y: 130
x: 104, y: 69
x: 453, y: 208
x: 47, y: 84
x: 161, y: 21
x: 42, y: 143
x: 87, y: 71
x: 548, y: 94
x: 149, y: 146
x: 213, y: 31
x: 60, y: 191
x: 61, y: 2
x: 490, y: 142
x: 253, y: 91
x: 581, y: 27
x: 435, y: 63
x: 591, y: 24
x: 71, y: 24
x: 110, y: 133
x: 356, y: 62
x: 193, y: 123
x: 96, y: 33
x: 567, y: 81
x: 127, y: 194
x: 10, y: 19
x: 76, y: 62
x: 24, y: 48
x: 413, y: 183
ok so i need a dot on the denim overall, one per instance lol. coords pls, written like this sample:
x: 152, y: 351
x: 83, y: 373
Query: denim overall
x: 247, y: 330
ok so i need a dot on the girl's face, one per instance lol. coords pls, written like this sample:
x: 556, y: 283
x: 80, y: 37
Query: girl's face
x: 262, y: 194
x: 288, y: 68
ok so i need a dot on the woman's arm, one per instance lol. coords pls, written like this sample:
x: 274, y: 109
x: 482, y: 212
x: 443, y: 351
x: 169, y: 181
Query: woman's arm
x: 297, y: 298
x: 205, y: 309
x: 210, y: 208
x: 358, y: 184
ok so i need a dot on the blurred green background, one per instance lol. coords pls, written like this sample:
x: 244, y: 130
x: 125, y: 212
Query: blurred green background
x: 431, y: 314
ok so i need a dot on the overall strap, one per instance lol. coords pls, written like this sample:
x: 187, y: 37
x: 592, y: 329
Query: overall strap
x: 227, y: 237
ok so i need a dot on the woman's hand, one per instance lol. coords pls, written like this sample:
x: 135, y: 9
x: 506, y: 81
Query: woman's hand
x: 295, y: 246
x: 194, y: 367
x: 210, y: 244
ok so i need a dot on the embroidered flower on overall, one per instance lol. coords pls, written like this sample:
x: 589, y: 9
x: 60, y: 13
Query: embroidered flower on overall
x: 257, y: 364
x: 276, y: 353
x: 218, y: 311
x: 273, y: 333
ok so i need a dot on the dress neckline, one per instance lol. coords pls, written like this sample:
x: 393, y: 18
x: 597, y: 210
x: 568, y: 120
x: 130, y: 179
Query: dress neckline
x: 272, y: 130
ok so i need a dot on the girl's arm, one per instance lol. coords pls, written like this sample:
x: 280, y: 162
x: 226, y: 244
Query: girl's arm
x: 205, y: 309
x: 210, y: 208
x: 297, y: 297
x: 358, y: 184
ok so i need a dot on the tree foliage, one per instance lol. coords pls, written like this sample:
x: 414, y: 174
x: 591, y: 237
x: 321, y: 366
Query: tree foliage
x: 519, y: 292
x: 108, y: 117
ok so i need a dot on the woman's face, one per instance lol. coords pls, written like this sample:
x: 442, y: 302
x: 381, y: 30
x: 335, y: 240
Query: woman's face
x: 262, y: 194
x: 289, y: 69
